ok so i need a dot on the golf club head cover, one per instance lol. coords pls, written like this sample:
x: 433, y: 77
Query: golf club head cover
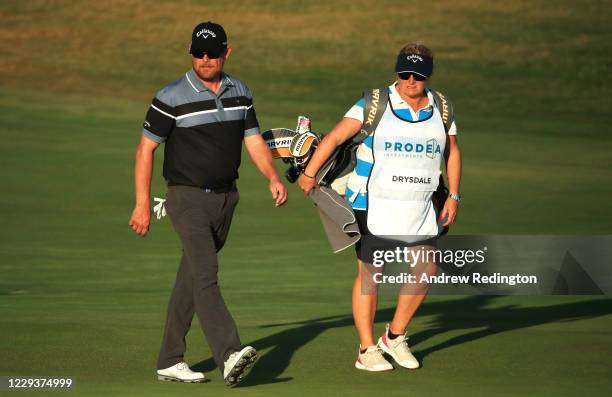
x: 279, y: 142
x: 302, y: 146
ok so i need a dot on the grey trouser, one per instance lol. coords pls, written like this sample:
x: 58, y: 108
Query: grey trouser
x: 202, y: 221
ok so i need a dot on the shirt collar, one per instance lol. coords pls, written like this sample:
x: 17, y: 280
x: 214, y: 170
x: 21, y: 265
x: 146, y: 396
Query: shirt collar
x: 397, y: 99
x: 197, y: 85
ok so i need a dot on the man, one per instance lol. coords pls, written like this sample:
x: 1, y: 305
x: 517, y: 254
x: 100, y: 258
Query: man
x: 386, y: 205
x: 203, y: 118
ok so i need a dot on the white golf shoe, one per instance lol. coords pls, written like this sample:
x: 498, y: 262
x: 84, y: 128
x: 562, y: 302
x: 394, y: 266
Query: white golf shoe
x: 398, y: 349
x: 238, y: 365
x: 372, y: 360
x: 180, y: 373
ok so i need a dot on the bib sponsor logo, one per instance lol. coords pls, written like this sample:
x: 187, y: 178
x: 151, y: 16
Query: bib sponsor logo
x: 206, y: 33
x: 435, y: 148
x: 423, y: 180
x: 431, y: 148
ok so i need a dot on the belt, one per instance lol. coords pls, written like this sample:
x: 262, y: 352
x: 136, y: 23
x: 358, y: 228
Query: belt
x: 222, y: 189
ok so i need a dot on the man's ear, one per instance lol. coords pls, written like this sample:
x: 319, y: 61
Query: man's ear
x: 228, y: 52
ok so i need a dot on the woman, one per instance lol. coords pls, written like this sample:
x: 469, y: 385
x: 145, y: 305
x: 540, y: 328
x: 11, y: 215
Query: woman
x: 391, y: 189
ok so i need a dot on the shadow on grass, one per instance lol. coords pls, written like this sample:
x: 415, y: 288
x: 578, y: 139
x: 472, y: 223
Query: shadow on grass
x: 469, y: 313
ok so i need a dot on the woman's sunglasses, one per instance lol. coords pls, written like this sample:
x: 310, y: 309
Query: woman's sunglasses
x: 406, y: 76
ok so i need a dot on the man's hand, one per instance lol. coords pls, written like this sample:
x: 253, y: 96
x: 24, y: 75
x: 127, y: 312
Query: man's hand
x: 261, y: 156
x: 279, y: 192
x: 449, y: 211
x: 306, y: 184
x: 141, y: 216
x: 140, y: 220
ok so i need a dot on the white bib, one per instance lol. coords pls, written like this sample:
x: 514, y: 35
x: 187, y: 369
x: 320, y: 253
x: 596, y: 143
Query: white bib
x: 406, y: 171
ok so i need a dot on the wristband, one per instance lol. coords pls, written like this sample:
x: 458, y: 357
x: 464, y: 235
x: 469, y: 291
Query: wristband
x: 308, y: 176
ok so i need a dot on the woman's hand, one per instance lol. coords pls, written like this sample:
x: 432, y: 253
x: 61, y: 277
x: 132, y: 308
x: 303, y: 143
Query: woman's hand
x: 449, y: 212
x: 306, y: 183
x: 343, y: 131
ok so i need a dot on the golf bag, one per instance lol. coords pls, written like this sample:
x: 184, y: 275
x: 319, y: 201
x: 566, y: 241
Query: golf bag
x: 296, y: 147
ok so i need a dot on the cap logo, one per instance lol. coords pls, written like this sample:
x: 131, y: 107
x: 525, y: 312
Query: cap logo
x: 414, y: 58
x: 206, y: 33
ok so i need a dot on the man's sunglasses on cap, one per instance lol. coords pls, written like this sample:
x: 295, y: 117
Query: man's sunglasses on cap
x: 406, y: 76
x: 212, y: 54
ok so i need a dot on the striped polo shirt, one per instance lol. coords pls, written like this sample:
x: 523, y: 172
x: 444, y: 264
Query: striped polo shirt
x: 202, y: 131
x: 365, y: 158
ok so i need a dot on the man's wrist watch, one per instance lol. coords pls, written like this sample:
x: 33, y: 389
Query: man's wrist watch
x: 455, y: 196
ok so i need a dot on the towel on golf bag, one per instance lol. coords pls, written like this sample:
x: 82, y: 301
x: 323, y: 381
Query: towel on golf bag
x: 296, y: 147
x: 337, y: 217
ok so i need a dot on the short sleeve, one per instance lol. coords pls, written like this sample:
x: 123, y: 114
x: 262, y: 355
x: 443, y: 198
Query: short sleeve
x: 251, y: 125
x: 159, y: 121
x: 453, y: 129
x: 356, y: 111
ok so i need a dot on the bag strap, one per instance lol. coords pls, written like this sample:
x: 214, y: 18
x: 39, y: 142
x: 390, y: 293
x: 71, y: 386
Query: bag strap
x: 445, y: 107
x: 375, y: 104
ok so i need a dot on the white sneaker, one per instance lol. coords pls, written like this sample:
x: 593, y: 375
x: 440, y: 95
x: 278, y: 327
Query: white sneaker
x: 372, y: 360
x: 238, y: 365
x: 398, y: 349
x: 180, y: 373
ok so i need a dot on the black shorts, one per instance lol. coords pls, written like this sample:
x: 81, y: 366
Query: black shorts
x: 369, y: 242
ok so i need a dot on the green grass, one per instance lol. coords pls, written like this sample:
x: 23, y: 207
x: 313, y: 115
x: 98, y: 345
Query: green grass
x: 81, y: 296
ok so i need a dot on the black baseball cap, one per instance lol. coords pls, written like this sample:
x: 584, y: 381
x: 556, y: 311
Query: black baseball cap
x: 208, y: 36
x: 414, y: 63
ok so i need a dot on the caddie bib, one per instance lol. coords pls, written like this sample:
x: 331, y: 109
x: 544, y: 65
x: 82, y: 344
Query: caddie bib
x: 406, y: 170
